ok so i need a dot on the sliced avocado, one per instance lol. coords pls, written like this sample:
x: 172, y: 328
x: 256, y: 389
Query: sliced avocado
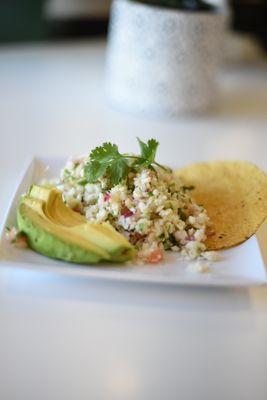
x: 100, y: 234
x: 57, y: 220
x: 41, y: 192
x: 52, y: 240
x: 118, y: 248
x: 55, y: 208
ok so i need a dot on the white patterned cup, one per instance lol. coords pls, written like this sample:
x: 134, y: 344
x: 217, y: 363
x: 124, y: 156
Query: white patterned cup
x: 162, y: 62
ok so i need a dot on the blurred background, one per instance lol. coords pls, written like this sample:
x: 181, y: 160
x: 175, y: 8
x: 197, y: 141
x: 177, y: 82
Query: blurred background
x: 53, y: 104
x: 39, y: 20
x: 52, y: 67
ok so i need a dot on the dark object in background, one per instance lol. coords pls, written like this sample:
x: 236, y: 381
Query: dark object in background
x: 250, y: 16
x: 77, y: 18
x: 21, y: 20
x: 77, y: 27
x: 186, y: 5
x: 27, y: 20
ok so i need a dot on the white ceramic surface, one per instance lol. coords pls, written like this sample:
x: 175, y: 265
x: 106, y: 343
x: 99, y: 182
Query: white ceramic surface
x: 163, y: 61
x: 240, y: 266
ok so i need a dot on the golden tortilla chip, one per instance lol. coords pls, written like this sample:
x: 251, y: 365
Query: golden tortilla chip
x: 234, y: 195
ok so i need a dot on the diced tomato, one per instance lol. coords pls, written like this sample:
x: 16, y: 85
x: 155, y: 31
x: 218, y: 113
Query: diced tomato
x: 106, y: 196
x: 137, y: 236
x: 21, y: 242
x: 126, y: 212
x: 155, y: 256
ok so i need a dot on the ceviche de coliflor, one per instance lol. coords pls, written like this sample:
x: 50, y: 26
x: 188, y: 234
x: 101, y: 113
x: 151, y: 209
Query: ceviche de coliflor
x: 141, y: 199
x: 112, y: 207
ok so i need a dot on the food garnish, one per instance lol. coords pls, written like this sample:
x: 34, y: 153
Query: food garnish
x: 106, y: 161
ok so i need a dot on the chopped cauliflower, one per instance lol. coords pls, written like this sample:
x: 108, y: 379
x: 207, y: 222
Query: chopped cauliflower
x: 151, y: 208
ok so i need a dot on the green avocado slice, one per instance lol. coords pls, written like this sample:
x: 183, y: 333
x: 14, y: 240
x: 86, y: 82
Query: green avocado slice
x: 100, y: 234
x: 52, y: 240
x: 118, y: 247
x: 69, y: 227
x: 55, y: 208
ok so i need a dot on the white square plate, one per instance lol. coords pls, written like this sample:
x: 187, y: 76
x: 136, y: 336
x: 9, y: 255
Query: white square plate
x: 240, y: 266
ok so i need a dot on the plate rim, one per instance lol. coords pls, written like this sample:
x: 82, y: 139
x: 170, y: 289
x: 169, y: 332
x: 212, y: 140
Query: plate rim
x: 25, y: 169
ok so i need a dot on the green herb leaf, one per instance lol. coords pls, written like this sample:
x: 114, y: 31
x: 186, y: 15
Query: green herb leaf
x: 95, y: 170
x: 148, y: 150
x: 182, y: 215
x: 105, y: 153
x: 106, y: 161
x: 191, y: 187
x: 118, y: 170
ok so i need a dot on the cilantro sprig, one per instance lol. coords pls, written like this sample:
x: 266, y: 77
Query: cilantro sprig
x: 106, y: 161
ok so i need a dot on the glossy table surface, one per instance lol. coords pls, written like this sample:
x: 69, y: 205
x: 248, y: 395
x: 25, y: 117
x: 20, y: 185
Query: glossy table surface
x: 67, y: 338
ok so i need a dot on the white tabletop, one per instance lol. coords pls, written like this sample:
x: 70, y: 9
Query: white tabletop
x: 73, y: 339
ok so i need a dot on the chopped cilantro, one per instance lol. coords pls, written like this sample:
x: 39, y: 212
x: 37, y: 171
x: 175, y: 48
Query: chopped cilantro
x: 106, y: 161
x: 182, y: 215
x: 82, y: 182
x: 191, y: 187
